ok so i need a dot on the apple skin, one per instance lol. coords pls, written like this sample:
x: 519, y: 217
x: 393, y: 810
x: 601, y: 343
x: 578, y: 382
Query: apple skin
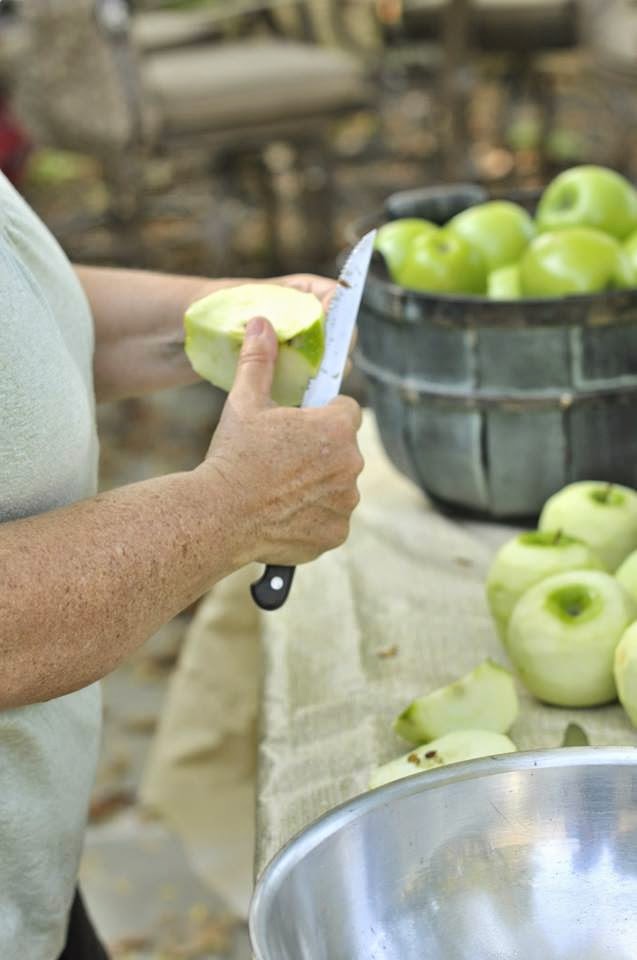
x: 626, y: 574
x: 625, y: 667
x: 571, y: 261
x: 602, y: 515
x: 562, y: 637
x: 589, y: 196
x: 630, y: 248
x: 526, y: 560
x: 441, y: 261
x: 394, y: 239
x: 504, y: 283
x: 501, y: 230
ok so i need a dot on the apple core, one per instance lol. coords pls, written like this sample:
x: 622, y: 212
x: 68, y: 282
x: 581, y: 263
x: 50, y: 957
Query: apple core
x: 575, y: 604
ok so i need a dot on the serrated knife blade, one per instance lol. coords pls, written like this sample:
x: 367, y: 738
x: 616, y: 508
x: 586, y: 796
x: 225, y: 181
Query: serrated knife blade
x: 271, y: 591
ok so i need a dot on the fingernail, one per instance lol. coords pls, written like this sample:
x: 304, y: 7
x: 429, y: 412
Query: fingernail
x: 255, y: 327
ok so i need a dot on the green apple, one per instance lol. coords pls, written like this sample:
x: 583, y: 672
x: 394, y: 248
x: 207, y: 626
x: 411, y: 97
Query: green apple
x: 452, y: 748
x: 501, y: 230
x: 589, y: 196
x: 484, y: 699
x: 626, y: 573
x: 215, y: 329
x: 441, y: 261
x: 630, y: 248
x: 603, y: 515
x: 504, y: 283
x: 394, y: 239
x: 562, y: 637
x: 626, y: 672
x: 575, y: 260
x: 525, y: 560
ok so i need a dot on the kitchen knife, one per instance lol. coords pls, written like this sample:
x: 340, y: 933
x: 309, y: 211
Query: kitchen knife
x: 271, y: 591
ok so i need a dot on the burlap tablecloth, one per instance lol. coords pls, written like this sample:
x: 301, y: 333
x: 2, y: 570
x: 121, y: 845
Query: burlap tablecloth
x: 397, y: 611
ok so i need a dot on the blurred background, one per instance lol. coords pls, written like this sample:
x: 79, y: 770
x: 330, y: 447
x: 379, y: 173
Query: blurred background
x: 244, y: 138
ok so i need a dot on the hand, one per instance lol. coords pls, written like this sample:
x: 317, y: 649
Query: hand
x: 288, y: 475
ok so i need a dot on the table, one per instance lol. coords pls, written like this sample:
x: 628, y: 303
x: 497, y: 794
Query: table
x: 397, y: 611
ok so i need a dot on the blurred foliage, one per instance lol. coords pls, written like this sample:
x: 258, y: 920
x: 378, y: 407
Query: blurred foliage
x: 49, y: 167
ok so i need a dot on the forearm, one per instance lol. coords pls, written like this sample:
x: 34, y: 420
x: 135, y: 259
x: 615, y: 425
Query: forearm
x: 84, y: 586
x: 138, y: 318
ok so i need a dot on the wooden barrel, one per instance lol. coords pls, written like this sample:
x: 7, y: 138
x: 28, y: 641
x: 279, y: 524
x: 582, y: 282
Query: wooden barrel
x: 490, y: 406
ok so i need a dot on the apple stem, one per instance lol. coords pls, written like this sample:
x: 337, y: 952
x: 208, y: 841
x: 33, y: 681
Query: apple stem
x: 557, y: 537
x: 607, y: 492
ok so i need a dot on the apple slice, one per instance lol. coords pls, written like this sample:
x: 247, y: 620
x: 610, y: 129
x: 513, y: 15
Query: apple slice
x: 215, y: 328
x: 452, y: 748
x: 484, y: 698
x: 626, y: 672
x: 627, y: 574
x: 603, y: 515
x: 562, y: 637
x: 524, y: 561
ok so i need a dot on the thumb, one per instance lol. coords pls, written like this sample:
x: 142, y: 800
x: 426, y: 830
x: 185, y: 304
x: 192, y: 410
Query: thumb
x: 255, y: 369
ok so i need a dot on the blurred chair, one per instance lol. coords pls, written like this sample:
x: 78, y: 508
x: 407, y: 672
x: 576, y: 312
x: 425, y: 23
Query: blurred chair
x: 442, y: 37
x: 125, y: 88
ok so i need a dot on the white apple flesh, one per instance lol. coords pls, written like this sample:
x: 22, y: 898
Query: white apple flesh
x: 627, y: 574
x: 626, y: 672
x: 215, y: 329
x: 603, y: 515
x: 452, y: 748
x: 524, y: 561
x: 484, y: 699
x: 562, y: 637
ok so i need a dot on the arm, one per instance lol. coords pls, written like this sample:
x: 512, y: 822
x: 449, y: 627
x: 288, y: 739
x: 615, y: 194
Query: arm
x: 139, y: 337
x: 82, y: 587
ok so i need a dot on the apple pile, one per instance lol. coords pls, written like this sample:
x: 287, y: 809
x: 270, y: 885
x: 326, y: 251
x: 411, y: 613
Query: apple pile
x: 564, y: 602
x: 564, y: 598
x: 582, y: 240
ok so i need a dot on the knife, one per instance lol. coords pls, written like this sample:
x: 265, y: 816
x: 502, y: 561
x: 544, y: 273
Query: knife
x: 271, y: 591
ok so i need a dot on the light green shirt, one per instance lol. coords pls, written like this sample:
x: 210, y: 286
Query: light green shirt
x: 48, y: 458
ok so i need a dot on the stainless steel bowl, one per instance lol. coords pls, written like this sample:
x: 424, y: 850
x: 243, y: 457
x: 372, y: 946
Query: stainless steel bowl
x: 524, y: 857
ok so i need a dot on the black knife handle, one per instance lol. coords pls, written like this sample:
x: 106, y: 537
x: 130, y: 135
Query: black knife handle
x: 271, y: 591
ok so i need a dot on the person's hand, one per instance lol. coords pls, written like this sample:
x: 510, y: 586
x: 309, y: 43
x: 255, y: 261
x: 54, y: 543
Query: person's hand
x: 288, y: 475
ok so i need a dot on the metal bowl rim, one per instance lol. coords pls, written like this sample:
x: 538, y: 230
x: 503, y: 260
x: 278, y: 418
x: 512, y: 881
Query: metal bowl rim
x: 329, y: 823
